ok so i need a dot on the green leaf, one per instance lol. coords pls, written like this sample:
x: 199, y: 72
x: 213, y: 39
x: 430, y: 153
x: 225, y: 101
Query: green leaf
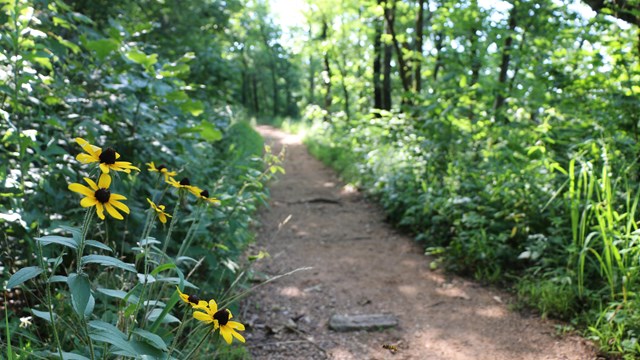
x: 163, y: 316
x: 105, y: 332
x: 22, y: 275
x: 103, y: 47
x: 119, y: 294
x: 70, y: 356
x: 152, y: 339
x: 60, y: 240
x: 209, y: 132
x: 195, y: 107
x: 107, y: 261
x: 162, y: 268
x: 57, y: 278
x: 141, y: 58
x: 44, y: 315
x: 97, y: 244
x: 80, y: 288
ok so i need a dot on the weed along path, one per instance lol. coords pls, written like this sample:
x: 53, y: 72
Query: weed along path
x: 361, y: 266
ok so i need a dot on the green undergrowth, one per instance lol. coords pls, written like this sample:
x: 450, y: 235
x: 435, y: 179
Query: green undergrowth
x: 508, y: 208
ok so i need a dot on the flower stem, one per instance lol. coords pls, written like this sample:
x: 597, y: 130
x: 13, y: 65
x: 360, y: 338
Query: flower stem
x: 178, y: 334
x: 199, y: 344
x: 83, y: 238
x: 173, y: 221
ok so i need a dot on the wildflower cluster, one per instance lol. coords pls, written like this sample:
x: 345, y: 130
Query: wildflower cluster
x: 99, y: 195
x: 209, y: 314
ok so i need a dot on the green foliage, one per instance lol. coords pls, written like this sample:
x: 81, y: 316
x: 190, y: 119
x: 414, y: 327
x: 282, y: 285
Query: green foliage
x: 138, y: 78
x: 507, y: 144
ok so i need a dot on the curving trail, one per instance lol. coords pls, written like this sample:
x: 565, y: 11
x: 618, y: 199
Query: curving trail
x: 362, y: 266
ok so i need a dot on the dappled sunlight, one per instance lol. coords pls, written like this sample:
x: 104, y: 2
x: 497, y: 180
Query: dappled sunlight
x: 452, y: 292
x: 408, y: 290
x: 292, y: 292
x: 495, y: 311
x: 348, y: 190
x: 329, y: 184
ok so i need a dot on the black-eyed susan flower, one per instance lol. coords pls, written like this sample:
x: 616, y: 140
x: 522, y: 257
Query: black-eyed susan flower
x: 159, y: 209
x: 162, y: 170
x: 100, y: 196
x: 185, y: 183
x: 107, y: 158
x: 204, y: 195
x: 192, y: 300
x: 221, y: 319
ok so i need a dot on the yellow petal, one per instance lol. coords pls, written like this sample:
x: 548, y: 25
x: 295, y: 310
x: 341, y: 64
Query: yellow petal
x: 235, y: 325
x: 182, y: 295
x: 100, y: 210
x: 237, y: 336
x: 104, y: 168
x: 113, y: 212
x: 213, y: 307
x: 162, y: 217
x: 205, y: 318
x: 104, y: 181
x: 117, y: 197
x: 88, y: 201
x: 200, y: 305
x: 81, y: 189
x: 226, y: 331
x: 91, y: 183
x: 86, y: 158
x: 120, y: 206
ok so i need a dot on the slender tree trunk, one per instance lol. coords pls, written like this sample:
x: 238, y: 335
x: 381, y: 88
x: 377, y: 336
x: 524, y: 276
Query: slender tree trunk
x: 403, y: 69
x: 439, y: 45
x: 504, y: 65
x: 417, y: 75
x: 256, y: 99
x: 386, y: 65
x: 386, y: 82
x: 327, y: 72
x: 312, y: 75
x: 345, y: 91
x: 377, y: 64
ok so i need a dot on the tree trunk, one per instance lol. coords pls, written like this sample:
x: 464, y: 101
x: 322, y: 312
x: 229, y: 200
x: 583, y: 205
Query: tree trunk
x: 377, y: 64
x: 439, y: 45
x: 403, y: 69
x: 327, y: 72
x: 345, y: 91
x: 312, y: 75
x: 504, y: 65
x: 417, y: 76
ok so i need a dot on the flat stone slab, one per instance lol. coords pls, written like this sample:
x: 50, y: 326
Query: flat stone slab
x: 362, y: 322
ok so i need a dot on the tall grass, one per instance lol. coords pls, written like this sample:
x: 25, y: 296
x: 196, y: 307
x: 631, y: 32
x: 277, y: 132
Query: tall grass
x: 605, y: 233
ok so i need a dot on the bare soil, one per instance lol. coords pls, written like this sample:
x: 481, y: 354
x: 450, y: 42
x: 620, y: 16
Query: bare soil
x: 361, y: 265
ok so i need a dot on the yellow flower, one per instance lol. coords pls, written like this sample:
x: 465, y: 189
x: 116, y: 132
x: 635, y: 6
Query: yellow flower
x: 162, y: 170
x: 192, y: 300
x: 159, y: 210
x: 220, y: 319
x: 183, y: 184
x: 204, y: 195
x: 100, y: 197
x: 106, y: 158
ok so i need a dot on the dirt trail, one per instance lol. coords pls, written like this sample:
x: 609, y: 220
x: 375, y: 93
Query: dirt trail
x: 362, y: 266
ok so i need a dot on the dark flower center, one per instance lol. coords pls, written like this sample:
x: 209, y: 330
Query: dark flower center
x: 185, y: 182
x: 108, y: 156
x: 204, y: 194
x: 161, y: 167
x: 222, y: 316
x: 103, y: 195
x: 194, y: 299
